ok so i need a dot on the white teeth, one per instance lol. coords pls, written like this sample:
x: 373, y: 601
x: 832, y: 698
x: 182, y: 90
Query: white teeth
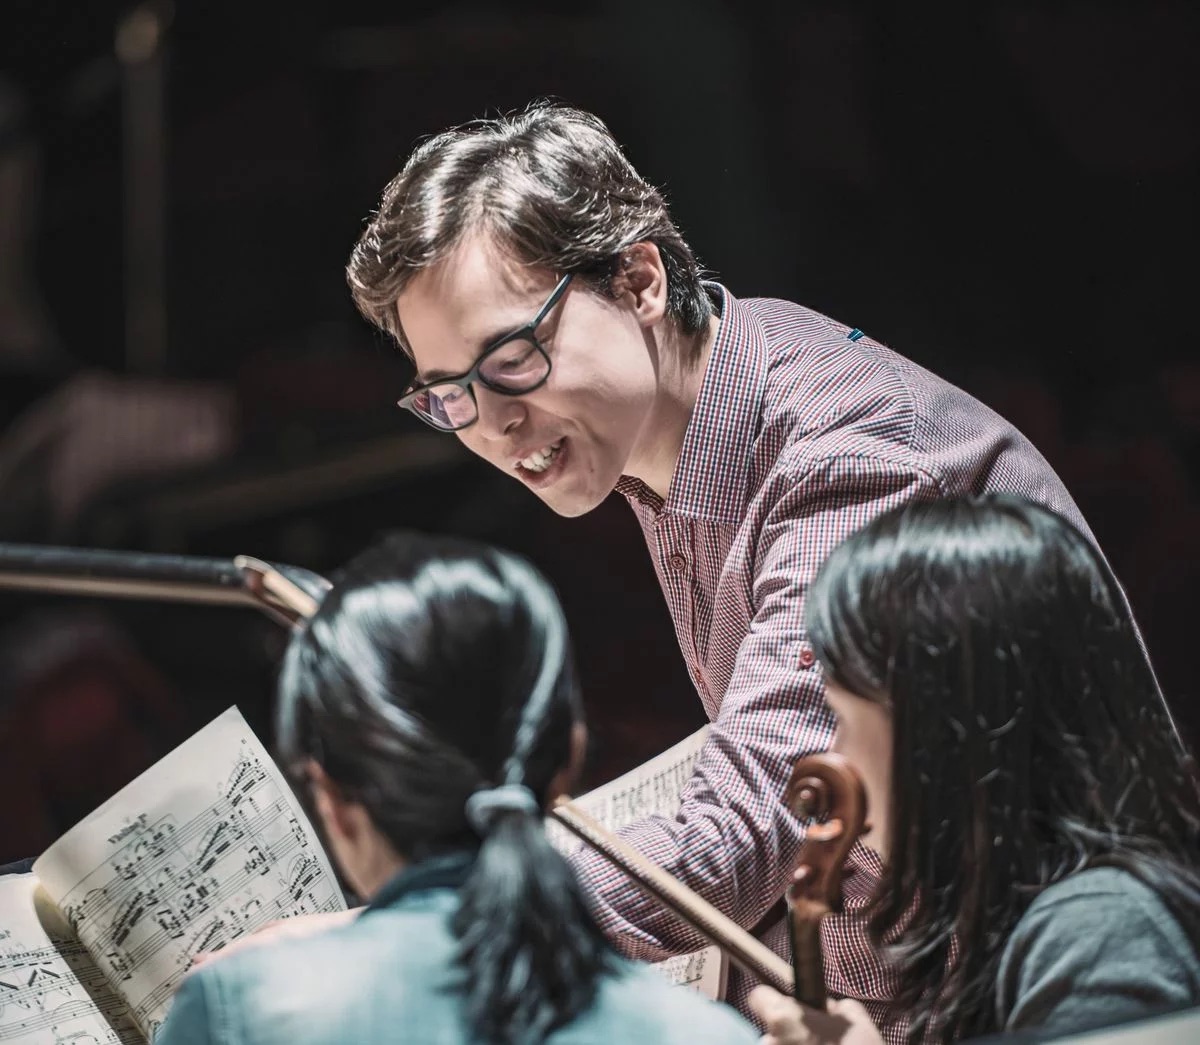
x: 539, y: 460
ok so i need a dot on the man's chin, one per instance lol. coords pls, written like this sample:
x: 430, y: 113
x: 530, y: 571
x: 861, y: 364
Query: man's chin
x: 570, y: 508
x: 569, y: 504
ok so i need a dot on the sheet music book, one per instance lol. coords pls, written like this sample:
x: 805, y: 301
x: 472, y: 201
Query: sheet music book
x: 207, y: 845
x: 653, y: 789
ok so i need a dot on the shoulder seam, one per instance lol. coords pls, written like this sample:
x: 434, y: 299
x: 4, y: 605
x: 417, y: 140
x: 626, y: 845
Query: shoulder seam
x: 802, y: 468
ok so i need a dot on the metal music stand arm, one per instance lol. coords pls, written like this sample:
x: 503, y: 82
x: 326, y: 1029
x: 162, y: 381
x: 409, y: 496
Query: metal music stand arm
x: 287, y: 594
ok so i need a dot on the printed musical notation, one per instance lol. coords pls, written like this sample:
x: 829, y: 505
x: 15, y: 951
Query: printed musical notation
x: 696, y: 970
x: 51, y: 993
x: 654, y: 788
x: 205, y: 847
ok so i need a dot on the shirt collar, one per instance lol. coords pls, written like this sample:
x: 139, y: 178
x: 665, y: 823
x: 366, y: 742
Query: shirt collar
x: 447, y: 871
x: 712, y: 472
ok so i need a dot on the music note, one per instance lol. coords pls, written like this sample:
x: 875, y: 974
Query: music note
x: 206, y: 846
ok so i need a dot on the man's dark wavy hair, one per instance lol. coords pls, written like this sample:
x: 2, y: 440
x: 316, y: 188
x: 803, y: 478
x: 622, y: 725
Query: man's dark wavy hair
x: 548, y: 185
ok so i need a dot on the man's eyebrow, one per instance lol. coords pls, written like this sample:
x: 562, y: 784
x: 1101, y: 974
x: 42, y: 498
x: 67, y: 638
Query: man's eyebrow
x: 429, y: 376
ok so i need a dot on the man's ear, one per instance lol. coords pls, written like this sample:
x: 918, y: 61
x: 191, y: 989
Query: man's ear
x: 641, y: 275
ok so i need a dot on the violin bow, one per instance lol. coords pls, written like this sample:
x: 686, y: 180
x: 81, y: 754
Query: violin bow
x: 744, y: 949
x: 822, y: 786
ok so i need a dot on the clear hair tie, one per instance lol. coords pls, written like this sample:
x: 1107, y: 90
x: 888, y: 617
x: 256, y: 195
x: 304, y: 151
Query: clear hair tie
x: 484, y: 806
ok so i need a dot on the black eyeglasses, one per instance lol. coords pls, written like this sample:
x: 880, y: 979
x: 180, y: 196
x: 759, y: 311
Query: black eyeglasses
x: 512, y: 366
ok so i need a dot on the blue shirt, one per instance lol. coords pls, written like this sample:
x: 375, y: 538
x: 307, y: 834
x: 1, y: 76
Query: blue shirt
x: 390, y: 975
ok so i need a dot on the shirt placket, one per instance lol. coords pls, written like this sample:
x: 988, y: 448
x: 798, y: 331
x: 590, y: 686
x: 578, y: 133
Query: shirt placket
x: 675, y: 555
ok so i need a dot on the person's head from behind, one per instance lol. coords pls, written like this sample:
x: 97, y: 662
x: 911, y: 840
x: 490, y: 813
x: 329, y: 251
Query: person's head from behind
x: 534, y: 222
x: 989, y: 684
x: 430, y: 707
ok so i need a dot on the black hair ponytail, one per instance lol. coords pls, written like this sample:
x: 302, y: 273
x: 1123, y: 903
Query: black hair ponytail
x: 529, y: 943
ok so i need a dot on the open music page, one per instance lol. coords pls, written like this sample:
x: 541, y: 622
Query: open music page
x: 653, y: 789
x: 50, y: 989
x: 205, y: 846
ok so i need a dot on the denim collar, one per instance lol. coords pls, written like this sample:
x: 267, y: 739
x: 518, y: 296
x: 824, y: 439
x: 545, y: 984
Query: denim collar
x: 447, y: 871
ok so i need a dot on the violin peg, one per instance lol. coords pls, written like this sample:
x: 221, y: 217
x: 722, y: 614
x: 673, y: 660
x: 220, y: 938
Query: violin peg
x: 811, y: 799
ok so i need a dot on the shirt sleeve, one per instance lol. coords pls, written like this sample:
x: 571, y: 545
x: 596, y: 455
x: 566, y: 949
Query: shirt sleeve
x: 190, y: 1021
x: 1097, y: 957
x: 732, y: 840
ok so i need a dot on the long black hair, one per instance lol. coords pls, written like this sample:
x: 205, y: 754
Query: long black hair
x: 1031, y: 740
x: 435, y: 668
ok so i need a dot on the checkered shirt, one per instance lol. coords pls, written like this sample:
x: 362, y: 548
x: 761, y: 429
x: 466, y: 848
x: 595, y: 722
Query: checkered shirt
x: 803, y: 431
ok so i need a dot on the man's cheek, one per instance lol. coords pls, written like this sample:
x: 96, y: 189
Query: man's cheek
x: 476, y: 447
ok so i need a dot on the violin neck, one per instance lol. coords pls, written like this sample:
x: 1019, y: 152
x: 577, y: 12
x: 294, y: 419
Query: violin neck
x: 808, y: 965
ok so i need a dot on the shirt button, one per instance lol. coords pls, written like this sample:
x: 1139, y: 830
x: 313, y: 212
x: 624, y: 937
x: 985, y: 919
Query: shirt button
x: 807, y: 658
x: 677, y: 562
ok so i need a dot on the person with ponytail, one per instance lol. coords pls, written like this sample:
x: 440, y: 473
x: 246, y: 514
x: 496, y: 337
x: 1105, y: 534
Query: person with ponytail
x: 429, y: 711
x: 1033, y: 810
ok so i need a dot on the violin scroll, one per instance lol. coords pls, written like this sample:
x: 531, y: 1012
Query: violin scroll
x: 823, y: 787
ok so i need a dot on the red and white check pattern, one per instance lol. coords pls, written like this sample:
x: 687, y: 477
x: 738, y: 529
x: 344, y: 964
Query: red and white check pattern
x: 800, y: 435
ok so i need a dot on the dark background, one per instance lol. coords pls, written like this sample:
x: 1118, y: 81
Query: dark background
x: 1003, y: 192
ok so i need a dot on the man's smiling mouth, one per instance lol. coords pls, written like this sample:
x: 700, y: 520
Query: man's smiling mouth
x: 540, y: 460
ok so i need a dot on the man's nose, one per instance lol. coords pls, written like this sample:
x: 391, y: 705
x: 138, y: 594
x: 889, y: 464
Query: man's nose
x: 498, y: 414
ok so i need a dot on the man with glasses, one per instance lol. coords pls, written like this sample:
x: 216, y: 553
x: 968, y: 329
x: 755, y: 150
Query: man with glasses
x: 560, y: 327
